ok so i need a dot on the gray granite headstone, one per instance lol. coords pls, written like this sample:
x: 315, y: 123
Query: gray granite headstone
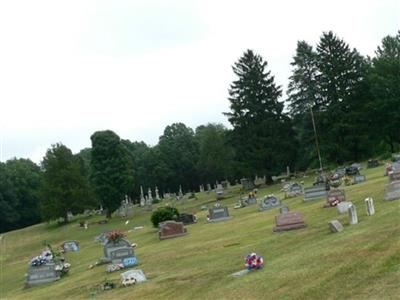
x: 284, y: 209
x: 137, y: 274
x: 335, y: 226
x: 270, y: 202
x: 358, y: 178
x: 218, y: 214
x: 70, y: 246
x: 343, y: 207
x: 315, y: 192
x: 370, y: 206
x: 42, y: 274
x: 392, y: 191
x: 353, y: 219
x: 120, y: 251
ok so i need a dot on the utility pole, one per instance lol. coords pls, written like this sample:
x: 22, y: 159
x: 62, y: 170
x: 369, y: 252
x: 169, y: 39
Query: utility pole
x: 316, y: 139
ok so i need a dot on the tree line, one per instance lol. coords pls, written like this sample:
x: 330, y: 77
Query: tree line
x: 355, y: 101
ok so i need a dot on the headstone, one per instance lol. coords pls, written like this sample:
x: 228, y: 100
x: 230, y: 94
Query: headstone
x: 315, y: 192
x: 70, y: 246
x: 218, y: 214
x: 370, y: 206
x: 392, y: 191
x: 136, y: 274
x: 284, y: 209
x: 340, y: 171
x: 142, y: 199
x: 353, y: 219
x: 180, y: 195
x: 358, y: 178
x: 119, y: 252
x: 335, y: 226
x: 269, y: 202
x: 246, y: 184
x: 157, y: 194
x: 187, y: 219
x: 372, y: 163
x: 42, y: 274
x: 171, y: 229
x: 334, y: 197
x: 208, y: 187
x: 295, y: 189
x: 251, y: 199
x: 394, y: 173
x: 289, y: 221
x: 343, y: 207
x: 224, y: 184
x: 219, y: 191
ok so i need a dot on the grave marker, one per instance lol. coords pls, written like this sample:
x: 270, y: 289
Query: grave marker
x: 171, y: 229
x: 218, y: 214
x: 70, y: 246
x: 315, y: 192
x: 120, y: 251
x: 289, y: 221
x: 358, y: 178
x: 42, y: 274
x: 353, y: 219
x: 392, y: 191
x: 335, y: 226
x: 370, y: 206
x: 343, y: 207
x: 334, y: 197
x: 269, y: 202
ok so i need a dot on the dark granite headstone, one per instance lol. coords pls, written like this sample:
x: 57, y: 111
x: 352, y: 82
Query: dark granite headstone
x: 289, y: 221
x: 334, y: 197
x: 372, y: 163
x: 171, y: 229
x: 315, y: 192
x: 187, y: 219
x: 120, y: 251
x: 269, y: 202
x: 218, y: 214
x: 42, y: 274
x: 219, y: 191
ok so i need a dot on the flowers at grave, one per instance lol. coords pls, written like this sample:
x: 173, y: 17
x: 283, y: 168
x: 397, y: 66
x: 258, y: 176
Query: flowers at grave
x: 114, y: 235
x: 45, y: 257
x: 253, y: 261
x: 114, y: 267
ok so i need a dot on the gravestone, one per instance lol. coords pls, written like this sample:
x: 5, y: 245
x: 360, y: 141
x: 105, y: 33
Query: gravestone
x: 42, y: 274
x: 358, y: 178
x: 137, y: 274
x: 247, y: 184
x: 224, y: 184
x: 120, y: 252
x: 187, y: 219
x: 171, y: 229
x: 340, y: 171
x: 289, y: 221
x: 142, y: 199
x: 218, y: 214
x: 284, y: 209
x: 334, y: 197
x: 372, y: 163
x: 343, y: 207
x: 219, y: 191
x: 295, y: 189
x: 70, y: 246
x: 315, y: 192
x: 394, y: 172
x: 392, y: 191
x: 269, y: 202
x: 335, y: 226
x: 251, y: 200
x: 353, y: 219
x: 102, y: 238
x: 370, y: 206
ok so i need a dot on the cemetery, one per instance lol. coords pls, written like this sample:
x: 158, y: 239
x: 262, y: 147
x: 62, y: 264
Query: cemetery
x: 304, y: 235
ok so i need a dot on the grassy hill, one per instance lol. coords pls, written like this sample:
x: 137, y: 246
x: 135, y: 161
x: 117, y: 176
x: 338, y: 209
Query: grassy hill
x: 362, y: 262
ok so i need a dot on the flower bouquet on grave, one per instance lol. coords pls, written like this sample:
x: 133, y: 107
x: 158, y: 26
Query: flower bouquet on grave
x: 115, y: 236
x: 335, y: 180
x: 254, y: 262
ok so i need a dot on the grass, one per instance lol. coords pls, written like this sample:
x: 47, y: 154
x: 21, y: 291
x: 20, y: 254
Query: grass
x: 362, y: 262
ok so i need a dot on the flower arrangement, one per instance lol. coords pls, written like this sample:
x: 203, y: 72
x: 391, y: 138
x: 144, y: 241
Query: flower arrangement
x: 253, y: 262
x: 45, y: 257
x: 115, y: 235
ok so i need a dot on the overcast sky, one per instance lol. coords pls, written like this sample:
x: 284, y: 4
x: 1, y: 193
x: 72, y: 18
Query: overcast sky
x: 70, y: 68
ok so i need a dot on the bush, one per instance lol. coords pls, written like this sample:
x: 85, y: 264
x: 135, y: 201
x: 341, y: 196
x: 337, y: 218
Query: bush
x: 164, y: 214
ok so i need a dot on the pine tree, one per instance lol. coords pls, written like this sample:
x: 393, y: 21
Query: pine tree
x: 262, y: 134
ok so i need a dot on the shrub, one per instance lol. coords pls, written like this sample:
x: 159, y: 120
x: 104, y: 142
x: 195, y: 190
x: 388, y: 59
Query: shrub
x: 164, y: 214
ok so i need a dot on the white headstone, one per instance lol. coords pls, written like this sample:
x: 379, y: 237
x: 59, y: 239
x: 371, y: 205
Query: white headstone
x: 142, y: 199
x: 353, y: 215
x: 343, y: 207
x: 370, y: 206
x: 157, y: 195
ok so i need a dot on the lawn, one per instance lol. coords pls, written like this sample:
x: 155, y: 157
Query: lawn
x: 362, y: 262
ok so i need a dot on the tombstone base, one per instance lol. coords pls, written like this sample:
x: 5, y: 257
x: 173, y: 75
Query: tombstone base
x: 219, y: 219
x: 173, y: 236
x: 289, y: 227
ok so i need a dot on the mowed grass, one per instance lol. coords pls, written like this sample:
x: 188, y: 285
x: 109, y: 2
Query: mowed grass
x: 362, y: 262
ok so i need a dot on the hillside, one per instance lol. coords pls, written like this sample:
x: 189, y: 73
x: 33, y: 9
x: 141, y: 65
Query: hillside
x: 362, y: 262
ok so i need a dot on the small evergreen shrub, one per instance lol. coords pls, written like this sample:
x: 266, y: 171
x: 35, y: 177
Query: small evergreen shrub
x: 163, y: 214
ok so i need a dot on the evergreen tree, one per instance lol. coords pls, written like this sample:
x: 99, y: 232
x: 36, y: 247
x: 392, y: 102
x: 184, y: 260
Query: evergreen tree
x: 111, y: 169
x: 262, y: 133
x: 385, y: 86
x: 64, y: 186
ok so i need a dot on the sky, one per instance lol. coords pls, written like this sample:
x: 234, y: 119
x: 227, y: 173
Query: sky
x: 70, y: 68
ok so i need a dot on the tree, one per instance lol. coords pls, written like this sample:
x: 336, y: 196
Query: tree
x: 179, y: 151
x: 215, y: 155
x: 64, y: 186
x: 342, y: 72
x: 261, y: 131
x: 8, y: 202
x: 111, y: 169
x: 385, y: 87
